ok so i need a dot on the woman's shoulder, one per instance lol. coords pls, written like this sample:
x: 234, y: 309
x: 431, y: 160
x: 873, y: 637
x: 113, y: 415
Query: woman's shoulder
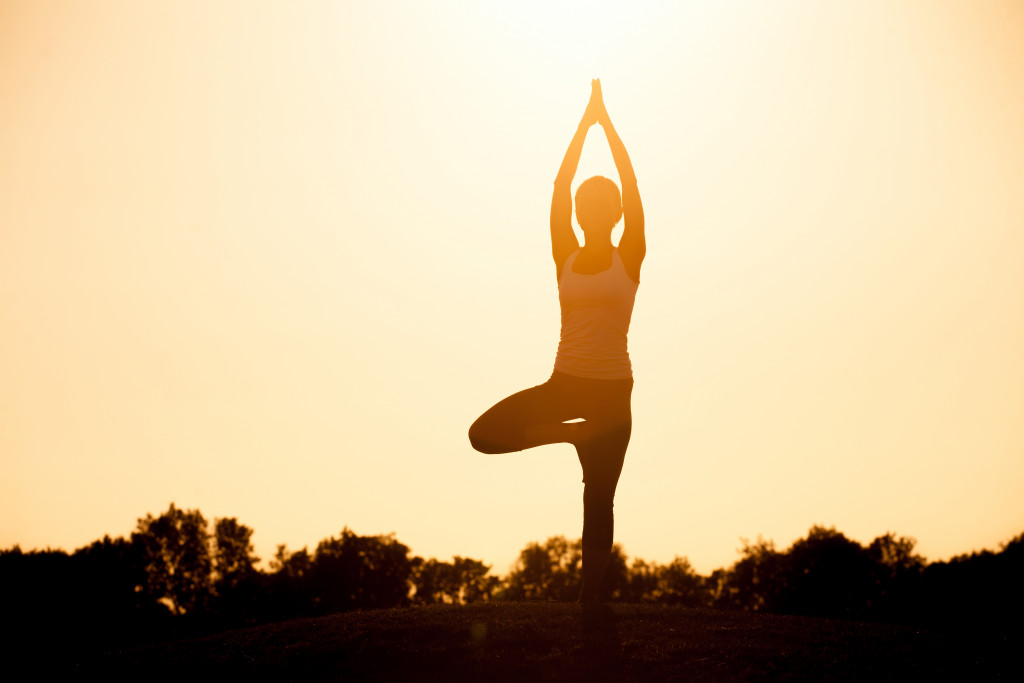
x: 617, y: 258
x: 566, y: 265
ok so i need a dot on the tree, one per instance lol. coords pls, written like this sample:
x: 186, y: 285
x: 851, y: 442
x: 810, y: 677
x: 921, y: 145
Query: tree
x: 460, y: 582
x: 679, y: 584
x: 642, y: 583
x: 428, y: 580
x: 290, y: 589
x: 897, y: 576
x: 234, y: 561
x: 896, y: 555
x: 474, y: 583
x: 291, y: 565
x: 359, y: 572
x: 826, y: 575
x: 111, y: 575
x: 553, y: 571
x: 615, y: 582
x: 175, y: 550
x: 234, y: 567
x: 753, y: 583
x: 983, y: 588
x: 35, y: 589
x: 548, y: 571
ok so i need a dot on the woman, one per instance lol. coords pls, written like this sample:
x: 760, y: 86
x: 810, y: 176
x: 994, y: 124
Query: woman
x: 592, y: 378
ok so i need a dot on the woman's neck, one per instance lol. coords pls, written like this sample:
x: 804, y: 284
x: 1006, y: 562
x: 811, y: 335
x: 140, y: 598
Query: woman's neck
x: 597, y: 247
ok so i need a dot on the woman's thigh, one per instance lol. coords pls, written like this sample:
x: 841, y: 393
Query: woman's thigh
x: 504, y: 426
x: 608, y: 411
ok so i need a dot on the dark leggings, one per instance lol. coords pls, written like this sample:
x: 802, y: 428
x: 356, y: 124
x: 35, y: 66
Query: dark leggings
x: 536, y: 416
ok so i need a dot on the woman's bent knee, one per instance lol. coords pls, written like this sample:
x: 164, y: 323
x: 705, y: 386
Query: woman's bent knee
x: 478, y: 438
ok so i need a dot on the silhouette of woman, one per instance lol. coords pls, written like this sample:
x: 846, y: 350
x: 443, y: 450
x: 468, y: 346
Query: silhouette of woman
x: 592, y: 377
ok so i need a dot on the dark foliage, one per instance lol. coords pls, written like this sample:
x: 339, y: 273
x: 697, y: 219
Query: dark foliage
x: 824, y: 575
x: 553, y: 571
x: 92, y: 595
x: 827, y: 574
x: 357, y: 572
x: 462, y: 581
x: 176, y: 559
x: 983, y: 587
x: 174, y: 577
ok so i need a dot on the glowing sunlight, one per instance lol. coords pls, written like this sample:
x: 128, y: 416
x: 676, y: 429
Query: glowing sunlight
x: 272, y: 260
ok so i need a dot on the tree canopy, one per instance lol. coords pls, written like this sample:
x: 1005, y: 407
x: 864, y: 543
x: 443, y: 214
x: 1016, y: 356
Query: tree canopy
x: 176, y: 571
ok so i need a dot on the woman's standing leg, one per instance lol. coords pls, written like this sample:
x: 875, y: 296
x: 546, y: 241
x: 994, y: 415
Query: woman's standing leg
x: 601, y: 456
x: 537, y: 416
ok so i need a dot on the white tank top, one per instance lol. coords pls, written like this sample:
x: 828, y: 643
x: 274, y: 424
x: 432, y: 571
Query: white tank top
x: 595, y: 321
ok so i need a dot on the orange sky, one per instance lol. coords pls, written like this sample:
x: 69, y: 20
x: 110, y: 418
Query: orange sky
x: 269, y: 260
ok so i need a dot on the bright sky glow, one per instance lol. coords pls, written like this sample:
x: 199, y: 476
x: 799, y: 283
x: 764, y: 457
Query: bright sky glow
x: 271, y: 259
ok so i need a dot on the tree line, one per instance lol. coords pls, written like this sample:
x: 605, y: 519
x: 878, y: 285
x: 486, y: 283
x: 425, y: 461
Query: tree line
x: 178, y: 574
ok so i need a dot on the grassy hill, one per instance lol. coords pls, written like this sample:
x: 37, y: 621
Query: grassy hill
x: 556, y: 642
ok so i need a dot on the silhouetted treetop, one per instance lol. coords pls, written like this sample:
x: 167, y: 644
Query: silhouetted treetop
x: 177, y: 559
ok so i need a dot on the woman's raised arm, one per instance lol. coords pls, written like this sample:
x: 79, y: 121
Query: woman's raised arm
x: 633, y: 245
x: 563, y: 239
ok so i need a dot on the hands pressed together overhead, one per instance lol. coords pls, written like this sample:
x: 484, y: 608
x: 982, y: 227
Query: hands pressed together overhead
x: 595, y: 112
x: 633, y: 244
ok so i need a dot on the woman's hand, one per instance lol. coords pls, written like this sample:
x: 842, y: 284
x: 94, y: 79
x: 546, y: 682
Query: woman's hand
x: 595, y: 112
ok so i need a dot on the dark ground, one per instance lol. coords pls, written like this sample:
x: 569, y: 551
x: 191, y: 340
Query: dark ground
x: 556, y: 642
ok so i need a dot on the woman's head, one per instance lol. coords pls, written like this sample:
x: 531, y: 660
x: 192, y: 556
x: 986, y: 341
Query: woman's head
x: 598, y: 204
